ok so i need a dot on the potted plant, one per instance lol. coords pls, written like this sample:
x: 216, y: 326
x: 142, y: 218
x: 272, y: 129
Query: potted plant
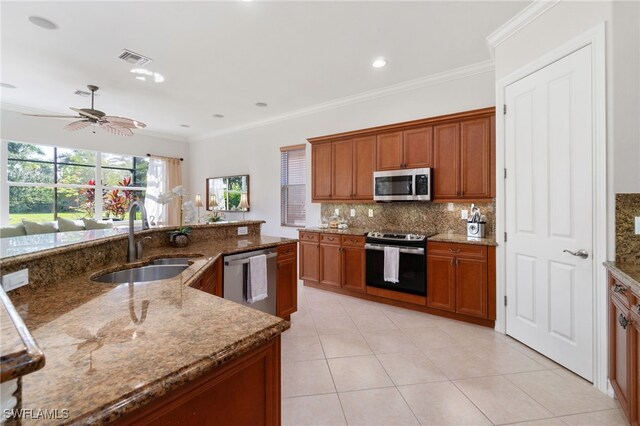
x: 180, y: 236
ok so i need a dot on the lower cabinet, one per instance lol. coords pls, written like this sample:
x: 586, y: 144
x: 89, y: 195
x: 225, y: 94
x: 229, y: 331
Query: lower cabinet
x: 309, y: 256
x: 330, y: 262
x: 211, y: 280
x: 353, y: 263
x: 457, y: 278
x: 287, y: 281
x: 244, y: 391
x: 624, y: 347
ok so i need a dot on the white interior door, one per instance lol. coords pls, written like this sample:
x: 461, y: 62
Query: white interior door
x: 549, y: 194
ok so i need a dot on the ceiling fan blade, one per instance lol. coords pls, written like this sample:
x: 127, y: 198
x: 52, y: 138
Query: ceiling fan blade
x: 85, y: 114
x: 77, y: 125
x: 116, y: 130
x: 53, y: 116
x: 124, y: 122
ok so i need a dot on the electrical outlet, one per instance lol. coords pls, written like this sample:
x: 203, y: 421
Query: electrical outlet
x: 243, y: 230
x: 450, y: 207
x: 337, y: 211
x: 15, y: 280
x: 370, y: 212
x: 464, y: 214
x: 637, y: 225
x: 353, y: 212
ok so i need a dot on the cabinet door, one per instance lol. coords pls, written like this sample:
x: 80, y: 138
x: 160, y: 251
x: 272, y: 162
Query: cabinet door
x: 446, y: 161
x: 619, y: 346
x: 418, y: 147
x: 441, y: 282
x: 471, y: 287
x: 342, y: 166
x: 634, y: 355
x: 287, y: 287
x: 321, y: 171
x: 475, y: 158
x: 389, y: 151
x: 309, y: 260
x: 330, y: 264
x: 353, y: 268
x: 364, y: 150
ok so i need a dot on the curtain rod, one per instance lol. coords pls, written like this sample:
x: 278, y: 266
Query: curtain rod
x: 160, y: 156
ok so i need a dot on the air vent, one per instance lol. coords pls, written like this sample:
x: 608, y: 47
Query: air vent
x: 134, y: 58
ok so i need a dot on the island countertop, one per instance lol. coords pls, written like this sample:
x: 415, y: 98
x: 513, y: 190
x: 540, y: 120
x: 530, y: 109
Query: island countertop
x: 112, y: 348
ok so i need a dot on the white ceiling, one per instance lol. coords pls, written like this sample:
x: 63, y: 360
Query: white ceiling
x: 223, y: 57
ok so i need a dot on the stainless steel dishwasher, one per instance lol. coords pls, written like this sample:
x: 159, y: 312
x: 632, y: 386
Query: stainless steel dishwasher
x: 235, y: 279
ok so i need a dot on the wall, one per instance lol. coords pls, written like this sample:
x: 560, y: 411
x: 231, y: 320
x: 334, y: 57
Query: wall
x: 256, y: 151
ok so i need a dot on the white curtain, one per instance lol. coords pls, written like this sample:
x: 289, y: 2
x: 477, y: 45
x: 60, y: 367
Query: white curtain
x: 156, y: 184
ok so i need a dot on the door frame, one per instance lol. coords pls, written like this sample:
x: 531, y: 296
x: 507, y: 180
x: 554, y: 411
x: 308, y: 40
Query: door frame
x: 603, y: 212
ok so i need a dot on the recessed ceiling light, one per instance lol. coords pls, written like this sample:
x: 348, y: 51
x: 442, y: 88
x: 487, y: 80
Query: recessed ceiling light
x: 218, y: 115
x: 43, y: 23
x: 261, y: 104
x: 184, y: 125
x: 379, y: 63
x: 7, y: 86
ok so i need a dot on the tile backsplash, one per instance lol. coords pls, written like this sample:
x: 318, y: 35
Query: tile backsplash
x: 627, y: 242
x: 426, y: 217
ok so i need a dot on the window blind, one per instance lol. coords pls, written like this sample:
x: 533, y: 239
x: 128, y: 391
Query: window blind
x: 292, y: 186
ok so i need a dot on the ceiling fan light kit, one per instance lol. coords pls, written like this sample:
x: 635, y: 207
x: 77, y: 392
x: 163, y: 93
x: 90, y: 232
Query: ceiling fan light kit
x: 119, y: 126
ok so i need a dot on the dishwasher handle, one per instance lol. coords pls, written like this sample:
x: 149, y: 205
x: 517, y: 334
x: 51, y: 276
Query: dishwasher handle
x: 246, y: 260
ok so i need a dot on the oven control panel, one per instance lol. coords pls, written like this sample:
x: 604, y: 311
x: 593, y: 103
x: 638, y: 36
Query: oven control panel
x: 396, y: 236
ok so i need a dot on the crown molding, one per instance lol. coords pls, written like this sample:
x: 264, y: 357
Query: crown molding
x: 518, y: 22
x: 29, y: 110
x: 430, y: 80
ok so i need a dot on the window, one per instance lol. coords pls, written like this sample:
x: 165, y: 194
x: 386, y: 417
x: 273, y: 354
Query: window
x: 292, y: 193
x: 47, y: 182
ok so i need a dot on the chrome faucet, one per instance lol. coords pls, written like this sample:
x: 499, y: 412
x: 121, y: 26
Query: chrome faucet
x: 131, y: 250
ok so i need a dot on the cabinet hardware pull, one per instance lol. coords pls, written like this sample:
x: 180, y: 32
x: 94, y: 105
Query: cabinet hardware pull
x: 454, y: 251
x: 452, y: 261
x: 617, y: 288
x: 624, y: 322
x: 457, y: 264
x: 354, y: 241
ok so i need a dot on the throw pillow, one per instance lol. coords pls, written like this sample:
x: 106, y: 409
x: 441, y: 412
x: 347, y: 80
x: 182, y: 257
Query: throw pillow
x: 94, y: 224
x: 34, y: 228
x: 16, y: 230
x: 66, y: 225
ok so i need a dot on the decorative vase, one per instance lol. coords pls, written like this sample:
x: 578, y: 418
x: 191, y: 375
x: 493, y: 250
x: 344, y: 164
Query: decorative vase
x: 179, y: 240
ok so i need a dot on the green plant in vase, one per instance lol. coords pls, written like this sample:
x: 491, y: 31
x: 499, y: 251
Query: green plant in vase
x: 180, y: 236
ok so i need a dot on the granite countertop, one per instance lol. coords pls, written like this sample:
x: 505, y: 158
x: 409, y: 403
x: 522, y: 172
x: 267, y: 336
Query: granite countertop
x: 348, y: 231
x: 112, y: 348
x: 629, y: 273
x: 463, y: 239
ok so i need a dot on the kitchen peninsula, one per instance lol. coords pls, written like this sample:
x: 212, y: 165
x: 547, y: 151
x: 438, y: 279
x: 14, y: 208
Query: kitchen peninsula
x: 153, y: 351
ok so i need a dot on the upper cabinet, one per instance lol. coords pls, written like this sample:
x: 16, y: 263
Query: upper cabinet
x: 460, y: 149
x: 408, y: 149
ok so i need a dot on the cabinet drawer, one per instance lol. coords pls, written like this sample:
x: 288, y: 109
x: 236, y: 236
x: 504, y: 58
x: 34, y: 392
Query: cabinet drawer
x: 619, y: 291
x: 330, y: 239
x: 309, y: 236
x: 352, y: 241
x: 460, y: 250
x: 287, y: 251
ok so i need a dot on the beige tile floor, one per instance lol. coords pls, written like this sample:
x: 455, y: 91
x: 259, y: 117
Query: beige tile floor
x: 351, y: 361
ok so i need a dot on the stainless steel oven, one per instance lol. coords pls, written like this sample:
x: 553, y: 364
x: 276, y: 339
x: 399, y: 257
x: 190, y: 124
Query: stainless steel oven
x: 402, y: 185
x: 412, y: 270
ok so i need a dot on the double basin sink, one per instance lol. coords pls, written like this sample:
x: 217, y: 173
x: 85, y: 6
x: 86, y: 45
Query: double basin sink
x: 158, y: 269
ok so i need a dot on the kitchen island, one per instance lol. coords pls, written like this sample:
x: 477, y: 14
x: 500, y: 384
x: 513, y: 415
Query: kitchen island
x: 154, y: 351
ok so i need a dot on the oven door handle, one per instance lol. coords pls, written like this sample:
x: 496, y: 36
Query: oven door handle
x: 408, y: 250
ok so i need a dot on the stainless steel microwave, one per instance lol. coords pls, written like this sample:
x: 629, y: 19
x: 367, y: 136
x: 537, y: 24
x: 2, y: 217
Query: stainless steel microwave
x: 402, y: 185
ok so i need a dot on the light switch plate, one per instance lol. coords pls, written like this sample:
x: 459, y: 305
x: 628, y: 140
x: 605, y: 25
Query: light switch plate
x: 637, y: 225
x: 464, y: 214
x: 15, y: 280
x: 353, y: 212
x: 243, y: 230
x: 370, y: 212
x: 337, y: 211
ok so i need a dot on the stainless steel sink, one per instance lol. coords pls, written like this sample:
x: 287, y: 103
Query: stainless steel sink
x: 141, y: 274
x: 171, y: 261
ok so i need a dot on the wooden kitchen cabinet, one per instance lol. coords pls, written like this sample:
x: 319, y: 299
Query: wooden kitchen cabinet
x: 463, y: 160
x: 407, y: 149
x: 321, y: 159
x: 353, y: 263
x: 309, y: 256
x: 364, y: 163
x: 621, y: 347
x: 457, y: 278
x: 342, y: 166
x: 287, y: 281
x: 330, y: 259
x: 211, y: 280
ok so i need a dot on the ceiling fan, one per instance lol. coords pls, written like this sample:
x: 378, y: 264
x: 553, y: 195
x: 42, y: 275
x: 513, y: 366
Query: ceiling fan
x: 117, y: 125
